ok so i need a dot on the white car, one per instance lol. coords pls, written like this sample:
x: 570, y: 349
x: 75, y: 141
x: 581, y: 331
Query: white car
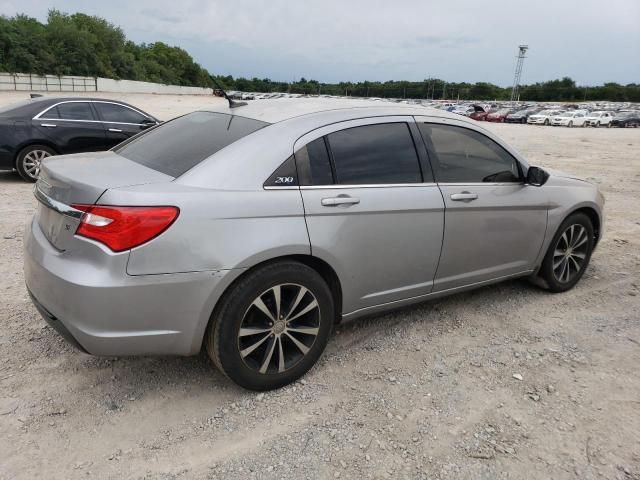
x: 543, y: 117
x: 569, y: 119
x: 597, y: 119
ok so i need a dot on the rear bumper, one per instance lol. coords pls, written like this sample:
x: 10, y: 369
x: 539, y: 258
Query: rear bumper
x: 104, y: 311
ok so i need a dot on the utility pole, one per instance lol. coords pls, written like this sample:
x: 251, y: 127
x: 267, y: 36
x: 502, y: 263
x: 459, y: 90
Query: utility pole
x: 522, y: 51
x: 444, y: 90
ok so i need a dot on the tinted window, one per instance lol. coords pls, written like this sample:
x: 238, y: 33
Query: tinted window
x: 313, y: 164
x: 111, y: 112
x: 71, y: 111
x: 179, y: 145
x: 466, y: 156
x: 375, y: 154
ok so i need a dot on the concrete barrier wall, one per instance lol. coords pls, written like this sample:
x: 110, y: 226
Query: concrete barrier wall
x: 132, y: 86
x: 67, y: 83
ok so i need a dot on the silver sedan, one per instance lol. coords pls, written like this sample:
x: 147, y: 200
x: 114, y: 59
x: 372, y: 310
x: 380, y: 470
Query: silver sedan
x: 252, y: 230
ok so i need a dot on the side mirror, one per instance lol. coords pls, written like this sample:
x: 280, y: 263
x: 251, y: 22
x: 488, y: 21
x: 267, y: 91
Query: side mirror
x: 536, y: 176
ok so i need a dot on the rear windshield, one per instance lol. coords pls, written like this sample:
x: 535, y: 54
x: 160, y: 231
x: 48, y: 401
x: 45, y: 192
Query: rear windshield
x: 180, y: 144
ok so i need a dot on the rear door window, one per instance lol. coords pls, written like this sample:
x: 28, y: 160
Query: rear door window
x: 180, y: 144
x: 71, y: 111
x: 375, y: 154
x: 114, y: 113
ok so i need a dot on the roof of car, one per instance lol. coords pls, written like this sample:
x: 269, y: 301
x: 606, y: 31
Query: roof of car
x: 281, y: 109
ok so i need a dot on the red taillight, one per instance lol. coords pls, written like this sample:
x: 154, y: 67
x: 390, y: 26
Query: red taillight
x: 123, y: 228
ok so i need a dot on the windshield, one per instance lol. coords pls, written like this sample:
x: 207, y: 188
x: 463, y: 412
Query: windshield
x: 596, y: 114
x: 180, y: 144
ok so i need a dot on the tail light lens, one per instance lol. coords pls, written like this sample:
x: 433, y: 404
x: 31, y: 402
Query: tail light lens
x: 123, y: 228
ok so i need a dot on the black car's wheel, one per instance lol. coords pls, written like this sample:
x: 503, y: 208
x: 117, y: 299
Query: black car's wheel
x: 569, y: 253
x: 272, y: 326
x: 524, y: 120
x: 29, y: 160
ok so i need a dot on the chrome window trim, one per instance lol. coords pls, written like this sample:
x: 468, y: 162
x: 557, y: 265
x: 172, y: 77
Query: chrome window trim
x: 53, y: 204
x: 366, y: 185
x: 477, y: 184
x: 40, y: 116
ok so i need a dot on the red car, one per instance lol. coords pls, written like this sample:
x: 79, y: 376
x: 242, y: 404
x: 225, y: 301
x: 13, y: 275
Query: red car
x: 499, y: 115
x: 479, y: 114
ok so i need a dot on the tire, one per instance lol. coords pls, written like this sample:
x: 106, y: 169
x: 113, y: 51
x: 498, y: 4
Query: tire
x: 570, y: 124
x: 523, y: 121
x: 29, y: 159
x: 561, y: 278
x: 282, y: 355
x: 546, y: 122
x: 598, y: 124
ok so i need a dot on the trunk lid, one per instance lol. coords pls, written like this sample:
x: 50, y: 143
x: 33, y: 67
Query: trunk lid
x: 82, y: 179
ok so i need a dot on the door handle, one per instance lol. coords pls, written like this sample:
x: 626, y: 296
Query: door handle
x: 464, y: 197
x: 339, y: 200
x: 117, y: 130
x: 50, y: 125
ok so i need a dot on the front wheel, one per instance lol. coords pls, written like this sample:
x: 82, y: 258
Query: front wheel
x: 546, y: 122
x: 570, y: 124
x: 30, y: 159
x: 597, y: 124
x: 272, y: 326
x: 569, y: 253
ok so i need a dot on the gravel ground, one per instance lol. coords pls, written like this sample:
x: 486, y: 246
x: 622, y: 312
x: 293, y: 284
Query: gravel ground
x: 507, y: 381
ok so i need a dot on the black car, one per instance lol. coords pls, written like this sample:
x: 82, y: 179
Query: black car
x: 521, y: 116
x: 626, y: 119
x: 44, y: 126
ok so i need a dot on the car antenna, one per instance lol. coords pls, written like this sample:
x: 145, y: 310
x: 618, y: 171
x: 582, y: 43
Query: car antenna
x: 232, y: 102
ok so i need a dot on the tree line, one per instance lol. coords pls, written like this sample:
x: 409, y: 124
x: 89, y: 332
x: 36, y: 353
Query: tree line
x: 85, y: 45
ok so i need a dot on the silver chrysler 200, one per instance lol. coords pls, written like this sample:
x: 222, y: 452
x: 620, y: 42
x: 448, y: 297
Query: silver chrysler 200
x: 253, y: 230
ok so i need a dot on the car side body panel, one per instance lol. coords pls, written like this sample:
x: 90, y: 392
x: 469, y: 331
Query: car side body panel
x: 216, y: 229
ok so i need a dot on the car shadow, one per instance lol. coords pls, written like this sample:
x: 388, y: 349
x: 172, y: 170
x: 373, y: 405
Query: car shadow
x: 135, y: 377
x: 11, y: 176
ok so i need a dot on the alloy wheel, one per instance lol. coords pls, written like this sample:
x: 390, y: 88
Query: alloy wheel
x: 570, y: 253
x: 279, y: 328
x: 32, y: 162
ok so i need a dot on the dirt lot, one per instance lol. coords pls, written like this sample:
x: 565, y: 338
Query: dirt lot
x: 426, y: 392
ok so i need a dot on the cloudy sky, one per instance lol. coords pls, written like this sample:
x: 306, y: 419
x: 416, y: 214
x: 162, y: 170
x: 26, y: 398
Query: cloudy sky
x: 592, y: 41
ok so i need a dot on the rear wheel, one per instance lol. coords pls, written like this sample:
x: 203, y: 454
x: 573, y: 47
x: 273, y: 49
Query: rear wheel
x: 546, y: 122
x: 272, y: 326
x: 570, y: 124
x: 598, y: 124
x: 569, y: 253
x: 30, y: 159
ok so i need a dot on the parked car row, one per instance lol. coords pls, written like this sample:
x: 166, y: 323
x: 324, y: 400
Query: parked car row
x: 567, y: 117
x: 589, y: 114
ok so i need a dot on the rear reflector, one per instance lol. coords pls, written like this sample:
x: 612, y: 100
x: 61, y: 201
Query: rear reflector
x: 123, y: 228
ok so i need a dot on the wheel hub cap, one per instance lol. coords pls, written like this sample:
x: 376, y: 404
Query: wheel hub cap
x: 570, y: 253
x: 279, y: 328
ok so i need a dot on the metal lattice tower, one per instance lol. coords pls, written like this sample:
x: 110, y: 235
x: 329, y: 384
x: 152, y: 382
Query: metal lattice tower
x: 522, y: 50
